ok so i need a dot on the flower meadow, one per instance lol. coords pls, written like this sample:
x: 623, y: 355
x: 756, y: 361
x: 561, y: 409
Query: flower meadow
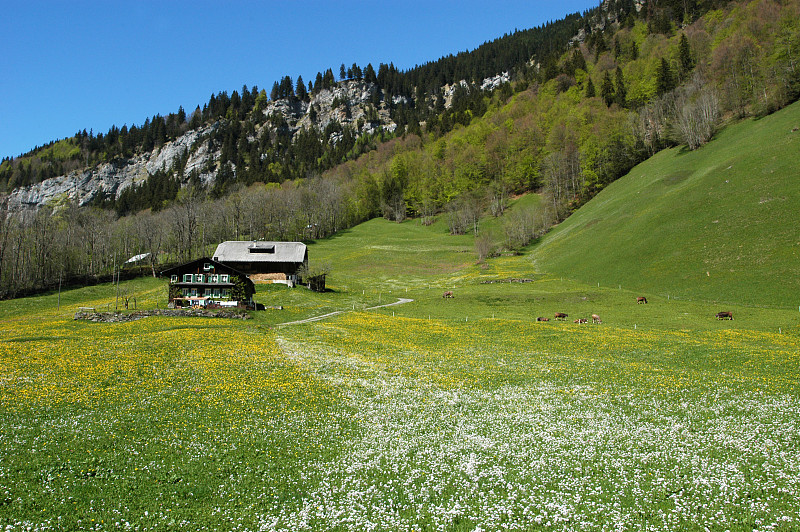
x: 369, y: 421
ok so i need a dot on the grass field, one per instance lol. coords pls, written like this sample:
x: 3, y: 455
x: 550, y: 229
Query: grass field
x: 439, y: 414
x: 719, y: 223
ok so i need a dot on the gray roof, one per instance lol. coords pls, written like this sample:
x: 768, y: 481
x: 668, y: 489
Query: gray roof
x: 260, y: 251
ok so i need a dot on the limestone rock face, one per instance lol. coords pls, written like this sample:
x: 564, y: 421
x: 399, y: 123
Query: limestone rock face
x: 489, y: 84
x: 354, y: 104
x: 350, y: 103
x: 110, y: 179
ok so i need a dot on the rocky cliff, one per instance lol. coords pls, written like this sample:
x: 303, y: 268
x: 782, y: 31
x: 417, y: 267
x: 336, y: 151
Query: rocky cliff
x: 354, y: 104
x: 110, y: 179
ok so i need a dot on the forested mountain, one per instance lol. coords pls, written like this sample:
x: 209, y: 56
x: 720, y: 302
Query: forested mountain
x: 564, y: 109
x: 402, y: 99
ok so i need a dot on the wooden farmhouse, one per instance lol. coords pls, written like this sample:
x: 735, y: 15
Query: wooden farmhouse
x: 208, y: 283
x: 282, y: 262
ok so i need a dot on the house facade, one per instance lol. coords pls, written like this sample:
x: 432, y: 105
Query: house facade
x: 282, y: 261
x: 208, y: 283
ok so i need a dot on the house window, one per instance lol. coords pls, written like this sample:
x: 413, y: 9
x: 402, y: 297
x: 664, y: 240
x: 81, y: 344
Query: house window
x: 198, y: 278
x: 224, y: 278
x: 216, y: 292
x: 224, y: 292
x: 215, y: 278
x: 185, y: 292
x: 207, y: 267
x: 194, y: 292
x: 187, y: 277
x: 174, y: 279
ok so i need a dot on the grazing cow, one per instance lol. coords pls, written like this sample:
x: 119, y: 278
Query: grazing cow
x: 561, y: 316
x: 725, y: 315
x: 542, y: 319
x: 582, y: 320
x: 448, y: 294
x: 596, y: 319
x: 640, y: 300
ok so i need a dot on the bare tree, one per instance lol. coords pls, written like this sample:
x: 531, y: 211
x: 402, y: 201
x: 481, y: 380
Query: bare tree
x: 5, y: 231
x: 150, y: 232
x: 524, y: 225
x: 234, y: 209
x: 483, y: 246
x: 696, y: 113
x: 563, y: 178
x: 498, y: 197
x: 41, y: 245
x: 650, y: 125
x: 185, y: 216
x: 427, y: 210
x: 463, y: 214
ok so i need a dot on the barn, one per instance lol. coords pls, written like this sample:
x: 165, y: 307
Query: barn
x: 277, y: 261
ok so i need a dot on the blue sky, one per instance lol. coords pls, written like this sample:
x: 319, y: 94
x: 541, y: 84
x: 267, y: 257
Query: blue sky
x: 67, y: 66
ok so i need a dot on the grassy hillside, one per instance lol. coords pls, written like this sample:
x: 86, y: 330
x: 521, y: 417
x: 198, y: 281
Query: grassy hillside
x: 717, y: 224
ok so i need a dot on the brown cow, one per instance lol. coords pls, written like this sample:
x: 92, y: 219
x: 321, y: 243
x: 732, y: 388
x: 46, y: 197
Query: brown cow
x: 561, y: 316
x: 641, y: 299
x: 596, y: 319
x: 725, y: 315
x: 448, y: 294
x: 542, y: 319
x: 582, y: 320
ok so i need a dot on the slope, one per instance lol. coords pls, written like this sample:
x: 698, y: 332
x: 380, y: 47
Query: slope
x: 718, y: 224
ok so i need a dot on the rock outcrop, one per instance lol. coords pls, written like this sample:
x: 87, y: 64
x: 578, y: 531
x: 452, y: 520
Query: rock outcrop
x: 350, y: 103
x: 353, y: 103
x: 110, y: 179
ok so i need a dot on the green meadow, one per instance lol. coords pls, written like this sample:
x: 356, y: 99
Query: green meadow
x: 718, y: 224
x: 444, y: 414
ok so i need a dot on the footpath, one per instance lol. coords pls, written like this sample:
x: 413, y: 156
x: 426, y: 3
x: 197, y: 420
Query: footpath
x: 400, y: 301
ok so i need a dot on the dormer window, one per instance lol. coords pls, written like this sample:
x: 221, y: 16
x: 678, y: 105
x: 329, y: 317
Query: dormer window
x: 260, y: 247
x: 207, y: 267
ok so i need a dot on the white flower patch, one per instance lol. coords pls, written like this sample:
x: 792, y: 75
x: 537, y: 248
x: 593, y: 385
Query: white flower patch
x: 564, y: 459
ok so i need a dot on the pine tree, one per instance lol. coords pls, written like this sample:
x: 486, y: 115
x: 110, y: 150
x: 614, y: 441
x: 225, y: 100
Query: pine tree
x: 607, y: 89
x: 590, y: 91
x: 665, y: 81
x: 634, y: 51
x: 685, y: 56
x: 369, y: 74
x: 600, y: 45
x: 328, y: 80
x: 621, y: 93
x: 318, y: 82
x: 578, y: 62
x: 300, y: 90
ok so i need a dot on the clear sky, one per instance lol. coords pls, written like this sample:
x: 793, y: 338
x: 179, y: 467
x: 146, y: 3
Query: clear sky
x: 66, y: 66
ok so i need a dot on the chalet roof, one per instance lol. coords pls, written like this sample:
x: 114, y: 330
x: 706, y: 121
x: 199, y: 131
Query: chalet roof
x: 205, y: 260
x: 260, y: 251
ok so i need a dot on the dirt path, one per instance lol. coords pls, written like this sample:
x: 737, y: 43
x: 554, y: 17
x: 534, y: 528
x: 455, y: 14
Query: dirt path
x: 400, y: 301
